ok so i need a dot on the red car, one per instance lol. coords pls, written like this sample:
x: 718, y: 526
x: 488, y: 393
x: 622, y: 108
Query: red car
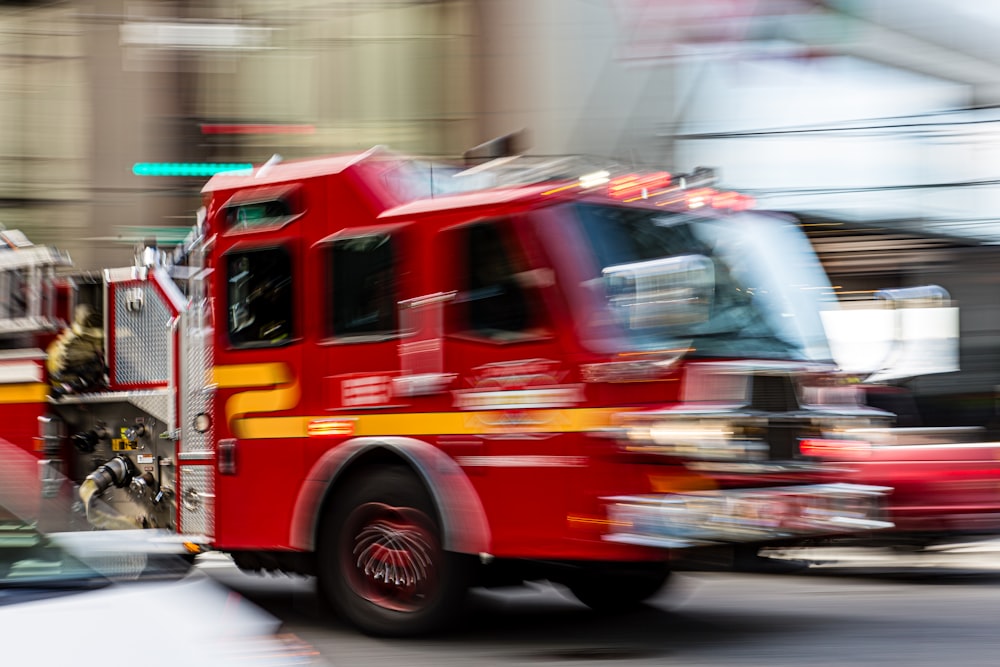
x: 945, y: 481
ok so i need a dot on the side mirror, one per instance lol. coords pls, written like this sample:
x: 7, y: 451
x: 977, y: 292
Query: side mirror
x: 897, y: 333
x: 924, y: 296
x: 662, y: 293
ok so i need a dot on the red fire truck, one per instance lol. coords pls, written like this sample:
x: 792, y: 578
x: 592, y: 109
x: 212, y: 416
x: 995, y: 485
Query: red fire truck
x: 409, y: 378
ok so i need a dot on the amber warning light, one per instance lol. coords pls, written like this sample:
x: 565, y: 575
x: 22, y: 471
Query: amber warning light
x: 663, y: 189
x: 328, y: 428
x: 638, y: 185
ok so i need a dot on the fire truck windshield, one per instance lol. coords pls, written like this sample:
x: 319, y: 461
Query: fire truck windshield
x: 744, y: 285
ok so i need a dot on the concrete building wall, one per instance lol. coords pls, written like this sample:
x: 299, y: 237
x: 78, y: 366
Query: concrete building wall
x: 94, y: 87
x: 562, y: 70
x: 45, y: 119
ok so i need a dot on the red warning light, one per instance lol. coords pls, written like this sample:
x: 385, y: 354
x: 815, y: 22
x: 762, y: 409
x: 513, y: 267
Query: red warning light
x: 700, y: 197
x: 835, y: 449
x: 732, y: 201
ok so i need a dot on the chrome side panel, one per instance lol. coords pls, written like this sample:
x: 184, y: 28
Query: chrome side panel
x: 196, y: 450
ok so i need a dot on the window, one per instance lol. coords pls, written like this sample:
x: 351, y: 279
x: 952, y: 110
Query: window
x: 364, y: 291
x: 260, y: 209
x: 496, y: 302
x: 261, y: 214
x: 260, y: 303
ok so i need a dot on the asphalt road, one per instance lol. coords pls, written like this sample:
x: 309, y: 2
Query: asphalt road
x: 859, y: 608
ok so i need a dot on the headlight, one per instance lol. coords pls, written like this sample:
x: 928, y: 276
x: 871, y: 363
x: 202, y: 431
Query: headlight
x: 706, y: 439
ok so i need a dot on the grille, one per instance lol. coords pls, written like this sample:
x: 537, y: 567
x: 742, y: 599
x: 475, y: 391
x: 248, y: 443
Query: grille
x: 776, y: 394
x: 773, y: 393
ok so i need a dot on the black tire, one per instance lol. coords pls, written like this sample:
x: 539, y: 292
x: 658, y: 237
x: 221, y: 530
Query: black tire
x: 381, y: 564
x: 616, y: 592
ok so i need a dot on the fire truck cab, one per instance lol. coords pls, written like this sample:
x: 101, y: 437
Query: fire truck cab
x: 408, y: 378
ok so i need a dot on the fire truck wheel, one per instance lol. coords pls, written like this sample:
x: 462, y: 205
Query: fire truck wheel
x: 381, y: 563
x: 609, y: 592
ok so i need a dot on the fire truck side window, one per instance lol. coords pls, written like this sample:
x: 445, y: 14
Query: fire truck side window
x: 258, y: 209
x: 260, y: 214
x: 495, y: 303
x: 363, y: 286
x: 260, y: 297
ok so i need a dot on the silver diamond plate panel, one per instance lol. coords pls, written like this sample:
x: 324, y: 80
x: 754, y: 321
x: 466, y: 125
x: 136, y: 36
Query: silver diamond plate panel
x: 197, y: 491
x: 142, y: 335
x: 196, y: 376
x: 196, y: 360
x: 156, y: 403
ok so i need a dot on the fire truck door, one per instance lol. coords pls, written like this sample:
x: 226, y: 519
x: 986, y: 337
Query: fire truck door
x: 512, y: 385
x: 361, y: 324
x: 259, y: 374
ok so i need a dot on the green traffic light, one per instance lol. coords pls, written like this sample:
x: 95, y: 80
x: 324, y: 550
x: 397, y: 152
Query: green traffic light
x: 189, y: 168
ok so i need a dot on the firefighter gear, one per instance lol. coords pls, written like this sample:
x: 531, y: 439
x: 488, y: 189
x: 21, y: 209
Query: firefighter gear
x: 76, y: 358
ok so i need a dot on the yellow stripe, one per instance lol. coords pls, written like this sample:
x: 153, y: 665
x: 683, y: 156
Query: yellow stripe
x: 271, y: 427
x: 574, y: 420
x: 433, y: 423
x: 24, y: 393
x: 251, y: 375
x: 270, y: 400
x: 266, y: 400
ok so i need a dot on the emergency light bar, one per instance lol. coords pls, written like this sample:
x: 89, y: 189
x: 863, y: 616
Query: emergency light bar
x: 638, y: 184
x: 692, y: 190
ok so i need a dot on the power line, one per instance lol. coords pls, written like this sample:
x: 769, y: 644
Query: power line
x: 876, y: 124
x: 873, y: 188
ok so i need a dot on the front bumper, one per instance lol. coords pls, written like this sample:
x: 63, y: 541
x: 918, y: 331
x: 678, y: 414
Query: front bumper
x: 703, y: 518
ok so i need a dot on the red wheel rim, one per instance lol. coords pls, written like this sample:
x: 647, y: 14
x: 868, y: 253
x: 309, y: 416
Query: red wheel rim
x: 390, y: 556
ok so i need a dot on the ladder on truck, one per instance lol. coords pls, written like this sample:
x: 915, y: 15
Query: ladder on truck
x: 27, y: 284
